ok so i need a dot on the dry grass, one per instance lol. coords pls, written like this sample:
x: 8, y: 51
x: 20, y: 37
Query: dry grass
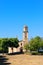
x: 24, y: 59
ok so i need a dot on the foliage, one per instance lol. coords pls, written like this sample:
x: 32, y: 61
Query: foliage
x: 13, y: 42
x: 8, y: 42
x: 41, y: 44
x: 0, y: 45
x: 35, y: 43
x: 26, y: 47
x: 5, y: 45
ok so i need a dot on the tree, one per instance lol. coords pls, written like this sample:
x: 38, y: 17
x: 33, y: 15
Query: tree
x: 41, y: 44
x: 5, y: 45
x: 35, y: 43
x: 8, y: 42
x: 13, y: 42
x: 26, y: 47
x: 0, y: 45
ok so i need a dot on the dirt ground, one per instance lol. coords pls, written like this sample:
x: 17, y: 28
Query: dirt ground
x: 24, y: 59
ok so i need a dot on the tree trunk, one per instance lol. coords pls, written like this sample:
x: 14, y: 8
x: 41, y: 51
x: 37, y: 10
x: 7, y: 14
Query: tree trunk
x: 12, y: 49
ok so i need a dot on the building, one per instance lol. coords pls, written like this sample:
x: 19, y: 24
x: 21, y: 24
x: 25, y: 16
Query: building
x: 22, y: 42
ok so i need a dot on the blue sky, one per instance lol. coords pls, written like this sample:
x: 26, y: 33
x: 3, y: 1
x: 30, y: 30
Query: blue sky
x: 14, y: 14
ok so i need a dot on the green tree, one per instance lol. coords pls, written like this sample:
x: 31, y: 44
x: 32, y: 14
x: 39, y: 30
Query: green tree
x: 5, y: 45
x: 8, y: 42
x: 26, y: 47
x: 0, y: 45
x: 13, y: 42
x: 35, y: 43
x: 41, y: 44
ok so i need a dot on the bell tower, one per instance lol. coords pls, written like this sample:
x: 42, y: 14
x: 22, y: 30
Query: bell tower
x: 25, y: 34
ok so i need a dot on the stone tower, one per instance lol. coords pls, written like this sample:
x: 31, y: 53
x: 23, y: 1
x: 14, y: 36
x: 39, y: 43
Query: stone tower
x: 25, y: 34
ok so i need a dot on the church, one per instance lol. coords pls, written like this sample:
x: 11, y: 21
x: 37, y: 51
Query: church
x: 21, y: 42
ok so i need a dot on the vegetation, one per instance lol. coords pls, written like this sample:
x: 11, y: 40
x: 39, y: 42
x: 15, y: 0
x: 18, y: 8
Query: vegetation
x: 34, y: 45
x: 26, y: 47
x: 8, y: 42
